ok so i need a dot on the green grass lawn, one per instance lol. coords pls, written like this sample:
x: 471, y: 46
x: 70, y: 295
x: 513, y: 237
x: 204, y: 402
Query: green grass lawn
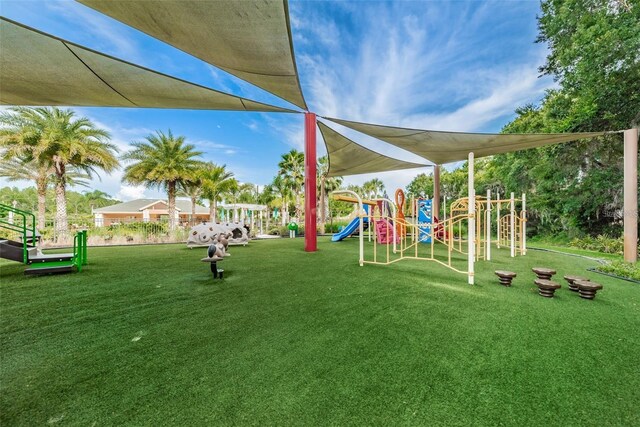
x: 144, y: 336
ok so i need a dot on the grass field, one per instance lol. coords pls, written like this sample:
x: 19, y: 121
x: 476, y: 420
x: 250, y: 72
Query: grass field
x: 144, y: 336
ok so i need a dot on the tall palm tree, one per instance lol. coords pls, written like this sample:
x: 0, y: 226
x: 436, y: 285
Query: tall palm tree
x: 216, y: 181
x: 16, y: 169
x: 291, y: 167
x: 26, y: 169
x: 326, y: 184
x: 53, y: 138
x: 192, y: 188
x: 162, y: 161
x: 373, y: 188
x: 280, y: 187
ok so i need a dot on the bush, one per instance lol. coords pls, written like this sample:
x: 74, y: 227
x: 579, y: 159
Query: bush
x: 622, y: 269
x: 284, y: 231
x: 605, y: 244
x: 334, y: 227
x: 141, y: 227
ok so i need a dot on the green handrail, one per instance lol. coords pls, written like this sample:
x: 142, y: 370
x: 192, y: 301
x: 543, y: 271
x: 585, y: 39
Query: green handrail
x: 80, y: 249
x: 22, y: 229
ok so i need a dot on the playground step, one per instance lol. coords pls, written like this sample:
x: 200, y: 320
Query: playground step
x: 54, y: 269
x: 50, y: 258
x: 12, y: 250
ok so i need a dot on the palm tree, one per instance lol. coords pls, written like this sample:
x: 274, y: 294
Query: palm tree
x: 280, y: 187
x: 373, y: 188
x: 17, y: 169
x: 162, y: 161
x: 216, y: 181
x: 327, y: 184
x: 292, y: 168
x: 53, y: 139
x: 192, y: 188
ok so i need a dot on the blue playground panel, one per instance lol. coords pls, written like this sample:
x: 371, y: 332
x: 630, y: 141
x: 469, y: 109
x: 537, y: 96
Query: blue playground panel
x: 425, y: 219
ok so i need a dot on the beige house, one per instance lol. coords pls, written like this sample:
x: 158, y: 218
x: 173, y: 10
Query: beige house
x: 148, y: 210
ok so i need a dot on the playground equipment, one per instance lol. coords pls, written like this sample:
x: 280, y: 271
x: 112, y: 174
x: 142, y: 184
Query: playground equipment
x: 293, y: 229
x: 20, y: 243
x: 373, y: 212
x: 208, y: 233
x: 216, y: 252
x: 352, y: 227
x: 510, y: 227
x: 466, y: 231
x: 400, y: 205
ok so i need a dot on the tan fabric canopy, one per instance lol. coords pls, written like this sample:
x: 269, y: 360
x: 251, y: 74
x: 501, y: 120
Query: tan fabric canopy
x: 349, y: 158
x: 39, y: 69
x: 445, y: 147
x: 250, y: 39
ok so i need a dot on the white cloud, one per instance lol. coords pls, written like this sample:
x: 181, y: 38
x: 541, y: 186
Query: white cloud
x: 423, y: 65
x: 131, y: 192
x: 106, y: 31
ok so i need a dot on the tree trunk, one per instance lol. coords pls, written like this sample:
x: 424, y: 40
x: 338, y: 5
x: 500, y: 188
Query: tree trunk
x: 212, y: 211
x: 62, y: 227
x: 41, y: 188
x: 193, y: 211
x: 171, y: 190
x: 298, y: 207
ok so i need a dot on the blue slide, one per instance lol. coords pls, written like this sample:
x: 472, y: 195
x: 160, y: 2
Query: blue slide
x: 351, y: 228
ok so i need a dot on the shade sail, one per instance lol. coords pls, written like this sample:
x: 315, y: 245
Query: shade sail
x: 445, y: 147
x: 39, y: 69
x: 250, y: 39
x: 349, y: 158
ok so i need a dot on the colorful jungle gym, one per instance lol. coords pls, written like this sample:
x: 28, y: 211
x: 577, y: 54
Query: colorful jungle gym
x: 421, y: 236
x: 19, y: 242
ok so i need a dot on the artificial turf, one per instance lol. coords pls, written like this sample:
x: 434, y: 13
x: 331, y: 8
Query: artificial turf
x: 144, y: 336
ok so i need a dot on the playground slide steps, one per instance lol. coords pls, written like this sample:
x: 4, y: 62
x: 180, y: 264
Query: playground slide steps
x: 52, y: 269
x: 38, y: 263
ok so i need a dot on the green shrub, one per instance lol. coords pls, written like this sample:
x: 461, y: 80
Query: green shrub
x: 622, y: 269
x: 600, y: 243
x: 334, y: 227
x: 140, y: 227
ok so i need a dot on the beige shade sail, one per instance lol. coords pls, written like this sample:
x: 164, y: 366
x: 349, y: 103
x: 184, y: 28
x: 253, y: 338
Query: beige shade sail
x: 445, y: 147
x: 39, y: 69
x: 250, y: 39
x: 349, y: 158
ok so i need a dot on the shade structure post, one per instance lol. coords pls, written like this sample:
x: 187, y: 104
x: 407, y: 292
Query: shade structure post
x: 488, y: 226
x: 512, y: 225
x: 523, y: 216
x: 471, y: 229
x: 310, y: 237
x: 630, y: 209
x: 436, y: 190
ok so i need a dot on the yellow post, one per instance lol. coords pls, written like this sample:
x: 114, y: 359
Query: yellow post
x: 512, y: 225
x: 488, y: 225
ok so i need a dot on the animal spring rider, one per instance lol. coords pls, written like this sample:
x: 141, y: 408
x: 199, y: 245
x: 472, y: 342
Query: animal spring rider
x: 217, y: 251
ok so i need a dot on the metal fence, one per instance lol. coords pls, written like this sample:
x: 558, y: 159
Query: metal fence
x: 120, y: 231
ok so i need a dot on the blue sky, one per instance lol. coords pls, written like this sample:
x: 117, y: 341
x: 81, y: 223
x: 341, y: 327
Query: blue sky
x: 445, y: 65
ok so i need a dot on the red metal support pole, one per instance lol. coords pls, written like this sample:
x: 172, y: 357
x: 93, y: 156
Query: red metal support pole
x: 436, y: 191
x: 310, y: 196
